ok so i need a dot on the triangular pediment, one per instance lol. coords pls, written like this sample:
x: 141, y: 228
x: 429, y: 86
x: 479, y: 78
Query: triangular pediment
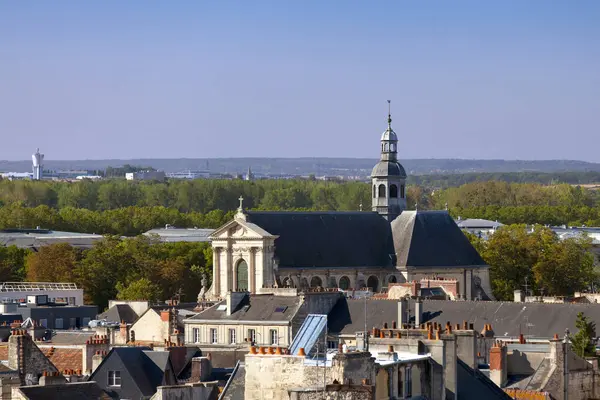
x: 237, y: 228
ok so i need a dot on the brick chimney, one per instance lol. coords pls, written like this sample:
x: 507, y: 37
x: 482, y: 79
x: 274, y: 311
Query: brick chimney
x: 97, y: 343
x: 25, y: 357
x: 53, y: 378
x: 123, y: 337
x: 498, y: 369
x: 201, y: 369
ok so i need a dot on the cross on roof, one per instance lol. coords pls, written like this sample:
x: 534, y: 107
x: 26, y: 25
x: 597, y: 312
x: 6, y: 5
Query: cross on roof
x: 241, y: 199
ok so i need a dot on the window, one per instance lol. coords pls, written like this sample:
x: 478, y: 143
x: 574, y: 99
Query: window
x: 401, y: 191
x: 252, y: 335
x: 213, y: 335
x: 274, y: 337
x: 72, y: 323
x: 408, y: 380
x: 344, y: 283
x: 58, y: 324
x: 381, y: 190
x: 114, y: 378
x: 232, y: 336
x: 332, y: 344
x: 241, y: 276
x: 196, y: 335
x: 86, y: 321
x: 393, y: 191
x: 44, y: 322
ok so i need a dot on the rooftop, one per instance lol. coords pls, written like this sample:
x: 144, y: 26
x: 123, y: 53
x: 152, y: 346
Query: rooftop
x: 31, y: 238
x: 261, y: 307
x: 172, y: 234
x: 36, y: 286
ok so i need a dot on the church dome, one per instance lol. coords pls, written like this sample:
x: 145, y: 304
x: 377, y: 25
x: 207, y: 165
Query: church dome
x: 389, y: 135
x: 388, y: 168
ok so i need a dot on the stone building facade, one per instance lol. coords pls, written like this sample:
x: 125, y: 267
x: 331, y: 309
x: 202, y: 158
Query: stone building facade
x: 347, y: 250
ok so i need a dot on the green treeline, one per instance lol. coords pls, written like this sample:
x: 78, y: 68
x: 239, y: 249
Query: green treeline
x: 544, y: 178
x: 140, y: 268
x: 129, y: 208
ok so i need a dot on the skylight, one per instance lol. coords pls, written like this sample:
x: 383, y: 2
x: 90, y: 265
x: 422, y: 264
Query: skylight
x: 280, y: 309
x: 222, y: 307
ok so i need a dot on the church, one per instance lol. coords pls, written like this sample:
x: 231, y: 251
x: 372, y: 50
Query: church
x: 348, y: 250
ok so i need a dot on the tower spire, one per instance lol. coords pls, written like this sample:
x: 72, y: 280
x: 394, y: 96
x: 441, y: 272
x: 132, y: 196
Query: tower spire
x: 389, y: 114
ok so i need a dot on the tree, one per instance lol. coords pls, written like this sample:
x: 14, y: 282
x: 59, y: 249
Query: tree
x: 53, y: 263
x: 565, y: 267
x: 583, y: 341
x: 12, y: 264
x: 142, y: 289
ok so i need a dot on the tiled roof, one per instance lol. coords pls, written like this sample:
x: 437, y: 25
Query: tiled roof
x: 64, y: 358
x: 328, y: 239
x: 260, y: 307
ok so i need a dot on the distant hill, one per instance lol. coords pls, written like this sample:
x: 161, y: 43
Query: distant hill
x: 317, y: 166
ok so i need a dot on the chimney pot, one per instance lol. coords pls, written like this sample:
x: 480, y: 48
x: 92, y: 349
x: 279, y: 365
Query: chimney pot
x: 385, y: 326
x: 393, y: 324
x: 390, y: 349
x: 301, y: 352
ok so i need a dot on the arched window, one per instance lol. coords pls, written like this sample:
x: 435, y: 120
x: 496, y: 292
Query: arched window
x: 392, y: 147
x: 381, y: 191
x: 401, y: 191
x: 241, y: 276
x: 374, y: 191
x: 344, y: 283
x: 393, y: 191
x: 373, y: 283
x: 392, y: 279
x: 316, y: 282
x: 385, y: 147
x: 287, y: 282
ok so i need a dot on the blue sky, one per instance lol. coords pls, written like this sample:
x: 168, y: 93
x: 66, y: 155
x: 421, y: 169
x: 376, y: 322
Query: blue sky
x: 467, y: 79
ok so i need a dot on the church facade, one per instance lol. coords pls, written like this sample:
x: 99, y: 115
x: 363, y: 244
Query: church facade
x: 348, y: 250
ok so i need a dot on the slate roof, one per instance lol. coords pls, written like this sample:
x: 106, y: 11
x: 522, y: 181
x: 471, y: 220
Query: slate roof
x: 71, y: 337
x: 64, y: 358
x: 328, y: 239
x: 473, y: 385
x: 431, y: 239
x: 71, y: 391
x: 236, y: 385
x: 507, y: 318
x: 260, y: 307
x: 145, y: 368
x: 388, y: 168
x: 118, y: 313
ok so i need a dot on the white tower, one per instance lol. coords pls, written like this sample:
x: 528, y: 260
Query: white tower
x: 389, y: 177
x: 37, y: 165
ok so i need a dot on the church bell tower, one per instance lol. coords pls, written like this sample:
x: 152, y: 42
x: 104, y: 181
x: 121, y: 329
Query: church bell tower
x: 388, y: 179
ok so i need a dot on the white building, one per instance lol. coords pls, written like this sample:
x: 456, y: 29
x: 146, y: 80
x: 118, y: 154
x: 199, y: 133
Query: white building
x: 30, y: 292
x: 37, y: 159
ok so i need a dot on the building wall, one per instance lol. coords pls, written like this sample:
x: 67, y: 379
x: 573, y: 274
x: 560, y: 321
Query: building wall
x: 330, y: 278
x: 241, y: 332
x: 150, y: 327
x: 472, y: 282
x: 345, y: 392
x: 51, y: 314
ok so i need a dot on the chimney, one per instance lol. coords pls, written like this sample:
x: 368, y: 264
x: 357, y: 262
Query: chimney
x: 418, y: 313
x: 97, y: 359
x: 450, y: 366
x: 201, y: 369
x: 165, y: 315
x: 123, y: 333
x: 519, y: 296
x: 498, y: 369
x: 402, y: 312
x: 51, y: 379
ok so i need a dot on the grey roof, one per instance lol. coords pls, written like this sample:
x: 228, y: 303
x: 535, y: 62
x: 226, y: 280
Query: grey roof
x: 33, y: 238
x: 118, y: 313
x: 171, y: 234
x: 431, y: 239
x: 473, y: 385
x: 472, y: 223
x: 146, y: 367
x: 388, y: 168
x: 507, y: 318
x: 260, y: 307
x: 71, y: 337
x: 74, y: 391
x: 328, y: 239
x: 236, y: 385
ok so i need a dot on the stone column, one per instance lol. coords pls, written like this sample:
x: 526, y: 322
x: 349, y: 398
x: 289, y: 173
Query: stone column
x: 228, y: 270
x: 217, y: 271
x: 252, y: 270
